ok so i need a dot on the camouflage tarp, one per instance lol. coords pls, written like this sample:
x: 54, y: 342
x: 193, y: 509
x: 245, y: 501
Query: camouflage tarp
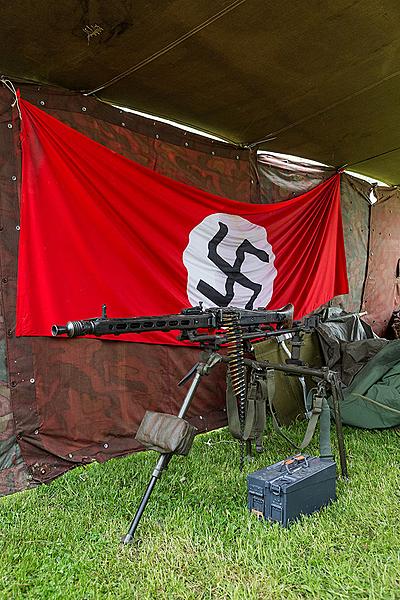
x: 382, y: 286
x: 84, y: 400
x: 281, y: 179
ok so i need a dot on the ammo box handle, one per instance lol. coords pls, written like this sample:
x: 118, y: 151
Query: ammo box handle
x: 295, y: 463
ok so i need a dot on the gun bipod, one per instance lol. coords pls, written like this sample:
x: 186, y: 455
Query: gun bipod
x: 201, y: 369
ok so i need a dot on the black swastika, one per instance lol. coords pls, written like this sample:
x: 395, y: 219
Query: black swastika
x: 232, y: 272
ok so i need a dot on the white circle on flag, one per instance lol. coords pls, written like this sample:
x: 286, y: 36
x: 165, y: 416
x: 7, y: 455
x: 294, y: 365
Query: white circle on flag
x: 229, y: 262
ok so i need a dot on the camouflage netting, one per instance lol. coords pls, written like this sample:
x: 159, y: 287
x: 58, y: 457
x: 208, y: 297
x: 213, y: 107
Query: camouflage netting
x: 81, y: 402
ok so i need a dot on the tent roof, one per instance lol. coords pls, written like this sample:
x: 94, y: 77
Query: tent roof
x: 314, y: 79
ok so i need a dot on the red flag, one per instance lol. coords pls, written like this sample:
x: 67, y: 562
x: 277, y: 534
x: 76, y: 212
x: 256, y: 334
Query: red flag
x: 98, y: 228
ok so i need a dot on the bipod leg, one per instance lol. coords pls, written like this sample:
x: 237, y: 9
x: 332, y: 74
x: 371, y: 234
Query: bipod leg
x: 337, y: 396
x: 159, y: 468
x: 162, y: 463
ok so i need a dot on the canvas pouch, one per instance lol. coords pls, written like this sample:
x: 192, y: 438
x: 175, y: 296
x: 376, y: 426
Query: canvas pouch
x: 165, y: 433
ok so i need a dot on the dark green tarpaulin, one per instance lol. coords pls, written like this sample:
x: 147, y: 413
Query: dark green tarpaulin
x: 372, y: 400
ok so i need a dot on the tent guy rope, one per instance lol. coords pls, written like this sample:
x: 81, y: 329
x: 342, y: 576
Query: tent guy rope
x: 10, y: 86
x: 167, y: 48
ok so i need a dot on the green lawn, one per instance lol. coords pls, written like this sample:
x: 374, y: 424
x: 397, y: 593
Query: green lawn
x: 196, y: 539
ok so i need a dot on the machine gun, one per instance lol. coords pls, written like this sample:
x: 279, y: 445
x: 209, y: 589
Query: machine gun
x: 189, y: 321
x: 226, y: 326
x: 231, y: 327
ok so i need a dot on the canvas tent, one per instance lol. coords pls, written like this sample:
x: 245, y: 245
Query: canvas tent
x: 315, y: 79
x: 250, y: 71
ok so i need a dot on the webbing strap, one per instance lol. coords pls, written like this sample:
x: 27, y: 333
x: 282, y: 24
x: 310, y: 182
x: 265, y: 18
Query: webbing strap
x: 316, y: 412
x: 232, y: 411
x: 250, y: 411
x: 255, y: 410
x: 312, y: 423
x: 261, y: 411
x: 259, y: 389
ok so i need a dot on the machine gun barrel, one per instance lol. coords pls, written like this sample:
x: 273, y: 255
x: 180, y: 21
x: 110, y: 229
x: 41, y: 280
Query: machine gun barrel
x: 189, y: 319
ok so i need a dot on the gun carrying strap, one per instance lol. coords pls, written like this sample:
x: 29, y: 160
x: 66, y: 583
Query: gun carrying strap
x: 255, y: 410
x: 263, y: 389
x: 318, y: 409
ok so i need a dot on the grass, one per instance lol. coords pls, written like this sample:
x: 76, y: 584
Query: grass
x: 196, y: 539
